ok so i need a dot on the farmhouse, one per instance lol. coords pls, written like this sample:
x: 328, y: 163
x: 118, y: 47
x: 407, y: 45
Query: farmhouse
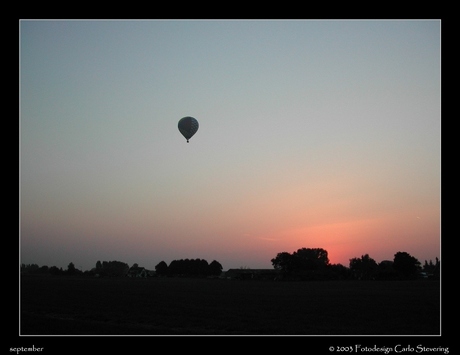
x: 138, y: 271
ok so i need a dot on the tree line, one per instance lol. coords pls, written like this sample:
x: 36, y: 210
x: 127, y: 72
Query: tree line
x: 313, y: 263
x: 303, y: 264
x: 182, y: 267
x: 189, y: 267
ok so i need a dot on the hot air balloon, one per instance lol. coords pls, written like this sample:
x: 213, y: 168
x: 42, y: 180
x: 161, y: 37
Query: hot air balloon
x: 188, y: 127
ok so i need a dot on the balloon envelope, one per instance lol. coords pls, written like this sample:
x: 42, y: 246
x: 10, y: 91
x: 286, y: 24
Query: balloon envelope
x: 188, y: 127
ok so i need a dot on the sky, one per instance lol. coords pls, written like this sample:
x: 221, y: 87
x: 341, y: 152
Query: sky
x: 312, y: 134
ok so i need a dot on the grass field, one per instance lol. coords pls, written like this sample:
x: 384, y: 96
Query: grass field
x: 182, y: 306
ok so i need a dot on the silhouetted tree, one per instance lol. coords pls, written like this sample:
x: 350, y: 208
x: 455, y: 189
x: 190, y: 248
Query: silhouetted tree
x: 197, y: 267
x: 437, y: 269
x: 112, y: 268
x: 215, y: 268
x: 34, y: 269
x: 71, y: 269
x: 54, y: 270
x: 406, y: 265
x: 305, y: 263
x: 173, y: 268
x: 193, y: 267
x: 363, y: 268
x: 385, y: 270
x: 431, y: 269
x: 311, y: 259
x: 161, y: 268
x: 30, y: 268
x: 284, y: 262
x: 339, y: 272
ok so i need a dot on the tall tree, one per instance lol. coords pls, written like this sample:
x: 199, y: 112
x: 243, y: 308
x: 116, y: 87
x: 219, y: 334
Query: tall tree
x: 303, y: 260
x: 406, y: 265
x: 311, y: 258
x: 283, y: 262
x: 215, y: 268
x: 71, y: 269
x: 161, y: 268
x: 363, y: 268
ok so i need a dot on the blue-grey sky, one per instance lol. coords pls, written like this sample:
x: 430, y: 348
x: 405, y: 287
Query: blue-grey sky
x: 316, y: 134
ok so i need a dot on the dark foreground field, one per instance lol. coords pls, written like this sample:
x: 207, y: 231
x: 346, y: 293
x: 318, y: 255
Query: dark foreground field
x: 175, y: 306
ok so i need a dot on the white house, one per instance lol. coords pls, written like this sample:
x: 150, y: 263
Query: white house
x: 137, y: 271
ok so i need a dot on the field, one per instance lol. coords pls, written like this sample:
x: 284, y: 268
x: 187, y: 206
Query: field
x: 182, y: 306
